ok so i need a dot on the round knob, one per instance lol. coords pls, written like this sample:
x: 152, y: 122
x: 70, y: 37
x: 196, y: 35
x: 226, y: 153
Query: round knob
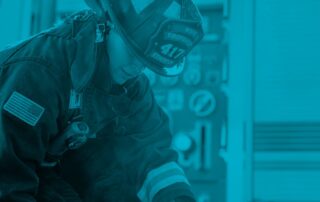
x: 183, y: 142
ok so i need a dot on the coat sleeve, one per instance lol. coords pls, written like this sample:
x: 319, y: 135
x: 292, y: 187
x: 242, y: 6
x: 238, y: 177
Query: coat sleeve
x: 143, y: 147
x: 30, y: 103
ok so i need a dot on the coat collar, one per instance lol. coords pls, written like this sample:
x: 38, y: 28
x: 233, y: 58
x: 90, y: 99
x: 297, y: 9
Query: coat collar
x: 85, y: 61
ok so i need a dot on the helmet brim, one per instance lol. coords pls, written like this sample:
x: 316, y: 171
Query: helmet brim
x: 148, y: 38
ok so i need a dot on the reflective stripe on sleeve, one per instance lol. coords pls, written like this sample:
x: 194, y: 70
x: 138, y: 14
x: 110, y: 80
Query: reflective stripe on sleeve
x: 159, y: 178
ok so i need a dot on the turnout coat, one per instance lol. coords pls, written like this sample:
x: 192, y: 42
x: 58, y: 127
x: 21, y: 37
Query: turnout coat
x: 61, y: 76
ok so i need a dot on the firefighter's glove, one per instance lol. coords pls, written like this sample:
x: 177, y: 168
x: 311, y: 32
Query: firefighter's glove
x: 74, y: 136
x: 77, y: 135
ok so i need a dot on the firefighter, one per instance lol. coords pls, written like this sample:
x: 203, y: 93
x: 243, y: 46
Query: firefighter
x: 79, y: 121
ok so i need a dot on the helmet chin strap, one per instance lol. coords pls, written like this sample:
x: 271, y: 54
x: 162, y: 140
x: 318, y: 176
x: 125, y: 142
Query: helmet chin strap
x: 97, y: 6
x: 104, y: 25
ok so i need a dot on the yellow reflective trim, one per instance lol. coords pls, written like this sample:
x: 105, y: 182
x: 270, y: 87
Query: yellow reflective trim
x: 151, y: 184
x: 165, y: 183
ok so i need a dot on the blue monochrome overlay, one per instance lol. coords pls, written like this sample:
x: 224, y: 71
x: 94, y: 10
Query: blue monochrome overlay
x: 79, y: 120
x: 159, y: 101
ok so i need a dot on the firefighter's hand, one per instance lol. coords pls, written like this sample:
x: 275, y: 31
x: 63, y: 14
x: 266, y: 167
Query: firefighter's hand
x: 74, y: 136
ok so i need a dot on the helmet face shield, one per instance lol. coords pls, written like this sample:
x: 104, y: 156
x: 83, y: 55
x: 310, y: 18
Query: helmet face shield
x: 159, y: 32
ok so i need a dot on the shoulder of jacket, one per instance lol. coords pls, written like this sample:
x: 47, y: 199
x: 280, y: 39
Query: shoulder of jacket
x: 72, y: 25
x: 10, y: 50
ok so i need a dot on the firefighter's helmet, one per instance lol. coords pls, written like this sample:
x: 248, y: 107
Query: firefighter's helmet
x: 159, y: 32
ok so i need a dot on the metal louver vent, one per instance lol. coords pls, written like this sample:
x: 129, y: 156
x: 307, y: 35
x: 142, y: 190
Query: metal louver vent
x: 287, y: 137
x: 286, y: 162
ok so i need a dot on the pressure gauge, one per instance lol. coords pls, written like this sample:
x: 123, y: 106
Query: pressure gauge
x: 202, y: 103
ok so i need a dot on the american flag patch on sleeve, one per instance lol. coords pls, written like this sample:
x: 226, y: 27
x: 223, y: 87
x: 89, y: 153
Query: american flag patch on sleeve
x: 23, y: 108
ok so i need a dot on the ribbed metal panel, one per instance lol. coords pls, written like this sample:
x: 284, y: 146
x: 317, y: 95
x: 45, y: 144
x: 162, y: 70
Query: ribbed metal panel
x: 286, y: 176
x: 286, y: 162
x: 287, y: 137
